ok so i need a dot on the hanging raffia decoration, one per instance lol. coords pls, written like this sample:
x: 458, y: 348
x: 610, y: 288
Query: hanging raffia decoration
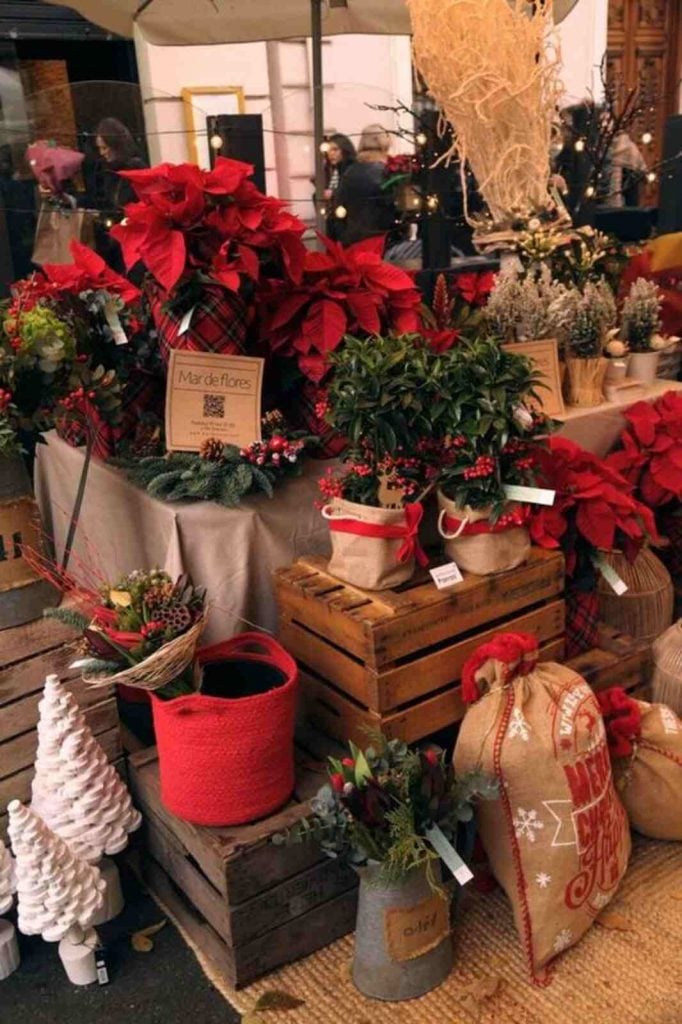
x: 493, y: 68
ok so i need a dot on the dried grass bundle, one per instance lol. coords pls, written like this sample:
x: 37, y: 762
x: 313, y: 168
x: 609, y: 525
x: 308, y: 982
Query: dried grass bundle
x: 494, y: 70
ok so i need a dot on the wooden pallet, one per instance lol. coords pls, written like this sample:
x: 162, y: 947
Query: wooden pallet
x: 248, y: 904
x: 27, y: 654
x: 390, y: 661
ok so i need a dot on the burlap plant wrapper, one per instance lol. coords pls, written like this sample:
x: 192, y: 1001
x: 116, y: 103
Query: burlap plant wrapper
x: 557, y: 838
x: 586, y: 381
x: 371, y: 563
x: 486, y: 553
x: 648, y: 774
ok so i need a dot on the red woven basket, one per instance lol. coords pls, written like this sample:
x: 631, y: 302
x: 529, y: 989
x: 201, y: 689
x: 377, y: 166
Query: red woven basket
x: 224, y: 760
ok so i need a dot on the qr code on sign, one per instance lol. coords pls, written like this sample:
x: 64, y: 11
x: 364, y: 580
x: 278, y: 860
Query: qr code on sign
x: 214, y: 406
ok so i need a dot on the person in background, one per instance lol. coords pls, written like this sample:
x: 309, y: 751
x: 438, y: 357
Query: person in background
x: 369, y: 209
x: 340, y: 156
x: 117, y: 152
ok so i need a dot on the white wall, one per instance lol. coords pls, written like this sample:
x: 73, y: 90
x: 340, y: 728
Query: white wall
x: 582, y: 36
x: 276, y: 79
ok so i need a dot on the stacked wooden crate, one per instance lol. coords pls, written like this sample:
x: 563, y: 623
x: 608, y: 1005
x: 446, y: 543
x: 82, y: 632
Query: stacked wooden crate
x: 391, y: 661
x: 27, y: 654
x: 247, y: 903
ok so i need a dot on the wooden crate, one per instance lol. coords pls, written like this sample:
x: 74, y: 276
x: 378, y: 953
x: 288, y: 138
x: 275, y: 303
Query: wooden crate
x: 390, y: 661
x: 27, y: 654
x: 619, y: 660
x: 248, y: 904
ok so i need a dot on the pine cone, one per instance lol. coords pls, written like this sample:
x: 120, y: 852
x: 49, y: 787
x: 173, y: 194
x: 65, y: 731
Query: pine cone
x: 211, y: 450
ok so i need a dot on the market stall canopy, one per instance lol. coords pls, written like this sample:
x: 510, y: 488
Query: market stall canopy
x: 177, y: 22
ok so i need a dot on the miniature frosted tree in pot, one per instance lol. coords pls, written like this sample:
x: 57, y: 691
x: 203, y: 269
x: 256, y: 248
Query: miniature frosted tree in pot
x: 78, y: 794
x: 9, y: 948
x: 59, y: 894
x: 640, y: 326
x: 586, y: 320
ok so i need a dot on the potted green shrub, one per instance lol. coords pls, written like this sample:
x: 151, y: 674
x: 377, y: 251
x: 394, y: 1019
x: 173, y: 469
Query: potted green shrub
x: 378, y: 812
x: 585, y: 320
x: 388, y: 395
x: 490, y: 437
x: 640, y: 324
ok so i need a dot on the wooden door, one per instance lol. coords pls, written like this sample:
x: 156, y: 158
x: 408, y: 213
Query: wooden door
x: 644, y: 52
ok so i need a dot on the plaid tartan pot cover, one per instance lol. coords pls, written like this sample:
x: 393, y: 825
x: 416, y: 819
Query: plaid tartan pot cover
x: 218, y: 323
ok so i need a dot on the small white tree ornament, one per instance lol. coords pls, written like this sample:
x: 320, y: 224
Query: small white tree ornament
x: 59, y: 894
x: 9, y: 948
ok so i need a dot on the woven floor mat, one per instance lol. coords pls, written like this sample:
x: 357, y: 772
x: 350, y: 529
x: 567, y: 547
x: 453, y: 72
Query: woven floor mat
x: 627, y: 973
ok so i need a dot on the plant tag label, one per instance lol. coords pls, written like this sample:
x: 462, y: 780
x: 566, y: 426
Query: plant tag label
x: 101, y: 966
x: 412, y: 931
x: 618, y: 585
x: 448, y: 854
x: 532, y: 495
x: 116, y: 327
x: 186, y: 321
x: 447, y: 575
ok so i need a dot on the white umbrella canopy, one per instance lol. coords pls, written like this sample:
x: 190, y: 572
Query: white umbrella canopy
x: 183, y: 22
x: 178, y: 22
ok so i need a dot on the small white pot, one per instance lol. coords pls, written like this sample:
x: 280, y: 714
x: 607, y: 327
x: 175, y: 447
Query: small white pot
x: 9, y: 949
x: 643, y: 366
x: 78, y: 958
x: 616, y: 371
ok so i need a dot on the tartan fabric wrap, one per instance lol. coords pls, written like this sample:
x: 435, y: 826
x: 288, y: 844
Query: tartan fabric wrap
x: 582, y: 618
x: 218, y: 324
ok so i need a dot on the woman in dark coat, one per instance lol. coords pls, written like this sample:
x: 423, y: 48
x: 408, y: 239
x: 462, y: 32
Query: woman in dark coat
x: 117, y: 152
x: 366, y: 208
x: 340, y: 156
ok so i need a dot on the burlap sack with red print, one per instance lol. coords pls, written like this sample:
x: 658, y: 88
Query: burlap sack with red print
x: 557, y: 837
x: 645, y: 741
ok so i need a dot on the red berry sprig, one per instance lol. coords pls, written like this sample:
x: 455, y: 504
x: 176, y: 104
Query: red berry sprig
x: 483, y: 466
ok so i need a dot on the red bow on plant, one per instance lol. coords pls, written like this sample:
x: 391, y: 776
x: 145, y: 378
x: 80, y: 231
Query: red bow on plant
x: 651, y: 455
x: 341, y: 291
x: 89, y: 272
x: 593, y: 498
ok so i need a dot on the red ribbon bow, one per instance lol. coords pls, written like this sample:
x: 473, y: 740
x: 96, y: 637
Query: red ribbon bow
x: 407, y: 532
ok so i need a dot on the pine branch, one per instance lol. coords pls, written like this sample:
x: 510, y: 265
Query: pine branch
x: 68, y: 617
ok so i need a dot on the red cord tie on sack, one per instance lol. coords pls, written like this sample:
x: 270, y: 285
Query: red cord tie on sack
x: 623, y: 720
x: 517, y: 651
x: 409, y: 532
x: 509, y: 521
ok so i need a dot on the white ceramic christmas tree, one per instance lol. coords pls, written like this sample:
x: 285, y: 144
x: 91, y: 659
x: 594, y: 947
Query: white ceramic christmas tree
x: 9, y: 948
x: 59, y: 894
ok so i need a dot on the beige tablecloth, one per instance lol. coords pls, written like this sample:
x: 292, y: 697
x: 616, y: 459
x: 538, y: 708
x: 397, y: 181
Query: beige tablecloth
x: 597, y: 429
x: 232, y: 552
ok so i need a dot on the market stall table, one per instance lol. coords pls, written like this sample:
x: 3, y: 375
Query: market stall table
x: 231, y: 551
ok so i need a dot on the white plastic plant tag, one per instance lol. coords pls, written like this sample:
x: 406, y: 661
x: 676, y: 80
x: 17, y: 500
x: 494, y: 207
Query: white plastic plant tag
x: 186, y: 321
x: 446, y: 575
x: 533, y: 495
x: 618, y: 585
x: 448, y: 854
x: 112, y: 318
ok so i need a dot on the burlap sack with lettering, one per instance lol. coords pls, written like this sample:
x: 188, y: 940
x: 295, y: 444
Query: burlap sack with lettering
x: 373, y: 548
x: 557, y: 838
x: 645, y: 741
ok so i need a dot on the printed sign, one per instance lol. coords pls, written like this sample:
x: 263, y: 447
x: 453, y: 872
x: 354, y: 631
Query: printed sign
x: 209, y: 395
x: 412, y: 931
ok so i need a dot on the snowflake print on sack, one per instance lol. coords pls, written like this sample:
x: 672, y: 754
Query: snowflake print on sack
x: 518, y: 726
x: 526, y: 824
x: 563, y: 940
x: 543, y: 880
x: 601, y: 899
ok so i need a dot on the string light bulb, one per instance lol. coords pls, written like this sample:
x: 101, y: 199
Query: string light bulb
x: 420, y: 139
x: 216, y: 142
x: 341, y: 212
x: 432, y: 202
x: 324, y: 147
x: 108, y: 223
x: 647, y: 138
x: 579, y: 145
x: 589, y: 191
x: 651, y: 177
x: 323, y: 211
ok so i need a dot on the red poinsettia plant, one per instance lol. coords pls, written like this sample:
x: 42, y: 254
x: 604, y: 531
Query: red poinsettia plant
x: 88, y: 272
x: 455, y: 309
x: 594, y: 509
x: 341, y: 291
x: 217, y: 223
x: 650, y: 457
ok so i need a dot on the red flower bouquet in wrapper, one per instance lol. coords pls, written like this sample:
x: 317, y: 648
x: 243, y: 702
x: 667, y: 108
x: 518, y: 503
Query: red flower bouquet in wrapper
x: 594, y: 511
x: 207, y: 238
